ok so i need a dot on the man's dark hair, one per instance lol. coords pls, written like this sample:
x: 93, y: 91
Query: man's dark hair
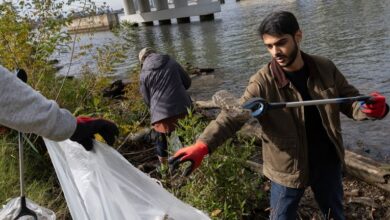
x: 279, y: 23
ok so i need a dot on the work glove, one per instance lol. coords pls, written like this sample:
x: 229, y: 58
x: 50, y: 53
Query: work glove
x: 87, y: 127
x: 376, y: 108
x: 194, y: 154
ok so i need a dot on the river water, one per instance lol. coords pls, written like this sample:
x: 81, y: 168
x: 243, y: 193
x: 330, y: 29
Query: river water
x: 355, y: 34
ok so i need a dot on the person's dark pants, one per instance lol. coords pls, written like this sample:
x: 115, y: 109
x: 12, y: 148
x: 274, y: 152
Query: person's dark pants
x: 326, y: 183
x: 161, y: 143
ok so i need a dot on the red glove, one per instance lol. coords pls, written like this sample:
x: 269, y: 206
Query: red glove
x: 377, y: 106
x: 194, y: 153
x: 87, y: 127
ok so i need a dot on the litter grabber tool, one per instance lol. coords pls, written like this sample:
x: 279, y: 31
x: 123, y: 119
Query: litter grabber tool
x: 242, y: 113
x: 259, y: 106
x: 24, y: 210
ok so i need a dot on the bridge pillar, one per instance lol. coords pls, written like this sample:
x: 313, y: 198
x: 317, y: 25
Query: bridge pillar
x: 182, y: 11
x: 129, y: 7
x: 144, y: 6
x: 162, y: 5
x: 207, y: 17
x: 180, y: 4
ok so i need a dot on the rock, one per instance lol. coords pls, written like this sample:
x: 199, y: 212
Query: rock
x: 54, y: 61
x: 354, y: 192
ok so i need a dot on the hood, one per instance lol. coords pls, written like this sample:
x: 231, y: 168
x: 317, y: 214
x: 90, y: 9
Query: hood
x: 155, y: 61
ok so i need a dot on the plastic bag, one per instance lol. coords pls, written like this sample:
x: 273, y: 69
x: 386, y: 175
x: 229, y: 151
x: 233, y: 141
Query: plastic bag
x: 11, y: 210
x: 102, y: 184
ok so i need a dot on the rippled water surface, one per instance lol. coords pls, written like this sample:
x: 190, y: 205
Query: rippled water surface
x: 355, y: 34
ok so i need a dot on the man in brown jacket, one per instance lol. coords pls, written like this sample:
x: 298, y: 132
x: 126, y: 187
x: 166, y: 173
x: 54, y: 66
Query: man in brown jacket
x: 301, y: 146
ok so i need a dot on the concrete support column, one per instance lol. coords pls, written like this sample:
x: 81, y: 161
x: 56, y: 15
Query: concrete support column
x: 179, y: 4
x: 129, y: 7
x: 136, y: 5
x: 144, y: 6
x: 207, y: 17
x: 162, y: 5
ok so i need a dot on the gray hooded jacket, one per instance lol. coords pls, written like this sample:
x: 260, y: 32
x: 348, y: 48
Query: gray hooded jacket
x: 163, y: 87
x: 24, y: 109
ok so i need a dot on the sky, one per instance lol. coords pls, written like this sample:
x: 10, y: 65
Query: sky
x: 115, y: 4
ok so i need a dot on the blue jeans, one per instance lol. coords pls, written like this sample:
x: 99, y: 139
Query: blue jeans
x: 326, y: 184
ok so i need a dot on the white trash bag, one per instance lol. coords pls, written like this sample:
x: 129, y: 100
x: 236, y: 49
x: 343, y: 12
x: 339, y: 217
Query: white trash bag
x: 11, y: 210
x: 102, y: 185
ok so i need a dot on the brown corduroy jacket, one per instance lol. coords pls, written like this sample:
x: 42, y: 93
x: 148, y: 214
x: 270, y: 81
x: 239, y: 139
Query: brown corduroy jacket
x: 284, y: 145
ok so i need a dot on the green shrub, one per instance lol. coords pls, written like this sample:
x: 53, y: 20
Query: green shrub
x: 222, y: 186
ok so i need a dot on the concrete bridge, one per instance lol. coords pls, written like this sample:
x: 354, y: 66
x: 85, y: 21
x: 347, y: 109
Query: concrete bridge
x: 143, y: 12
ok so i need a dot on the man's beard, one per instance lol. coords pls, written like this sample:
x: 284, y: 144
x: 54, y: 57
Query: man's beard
x: 291, y: 57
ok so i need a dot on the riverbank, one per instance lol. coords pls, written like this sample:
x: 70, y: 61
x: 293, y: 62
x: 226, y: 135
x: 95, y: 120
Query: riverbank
x: 347, y: 32
x: 231, y: 45
x: 206, y: 189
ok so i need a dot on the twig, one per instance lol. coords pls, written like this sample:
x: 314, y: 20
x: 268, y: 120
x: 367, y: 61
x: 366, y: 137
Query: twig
x: 366, y: 201
x: 71, y: 55
x: 138, y: 152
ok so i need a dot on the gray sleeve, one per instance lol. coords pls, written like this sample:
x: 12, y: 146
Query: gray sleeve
x: 144, y: 91
x: 26, y: 110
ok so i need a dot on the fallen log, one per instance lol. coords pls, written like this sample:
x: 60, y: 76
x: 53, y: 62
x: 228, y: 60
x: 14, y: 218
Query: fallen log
x: 368, y: 170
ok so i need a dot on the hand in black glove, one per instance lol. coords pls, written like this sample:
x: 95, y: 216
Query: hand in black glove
x: 87, y: 127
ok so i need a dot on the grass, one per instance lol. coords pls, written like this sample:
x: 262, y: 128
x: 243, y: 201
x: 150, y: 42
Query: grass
x: 222, y: 186
x: 41, y: 183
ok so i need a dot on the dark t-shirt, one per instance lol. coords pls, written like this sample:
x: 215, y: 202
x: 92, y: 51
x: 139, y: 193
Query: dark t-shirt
x: 321, y: 150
